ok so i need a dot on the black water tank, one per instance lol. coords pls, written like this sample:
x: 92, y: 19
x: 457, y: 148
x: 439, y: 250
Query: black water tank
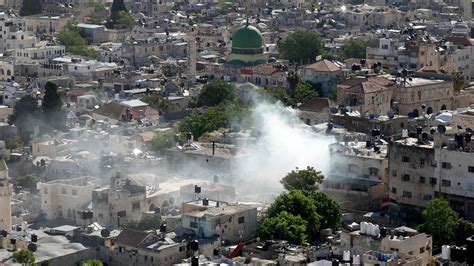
x: 163, y: 228
x: 197, y: 189
x: 470, y: 250
x: 468, y: 137
x: 335, y: 262
x: 194, y: 245
x: 383, y: 232
x: 216, y: 252
x: 34, y: 238
x: 194, y: 261
x: 455, y: 256
x: 419, y: 130
x: 463, y: 254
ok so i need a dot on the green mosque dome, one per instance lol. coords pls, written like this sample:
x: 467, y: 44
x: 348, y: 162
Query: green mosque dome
x: 247, y: 37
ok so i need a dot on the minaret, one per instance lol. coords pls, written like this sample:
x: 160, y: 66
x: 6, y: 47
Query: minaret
x: 5, y: 202
x: 191, y: 77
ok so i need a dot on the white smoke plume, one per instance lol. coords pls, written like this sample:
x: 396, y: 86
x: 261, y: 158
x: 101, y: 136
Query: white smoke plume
x: 284, y: 144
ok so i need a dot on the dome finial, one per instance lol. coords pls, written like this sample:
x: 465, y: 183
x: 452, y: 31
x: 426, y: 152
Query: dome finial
x: 247, y: 23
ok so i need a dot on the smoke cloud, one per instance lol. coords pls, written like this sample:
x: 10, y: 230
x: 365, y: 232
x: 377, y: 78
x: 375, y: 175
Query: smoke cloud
x: 285, y: 143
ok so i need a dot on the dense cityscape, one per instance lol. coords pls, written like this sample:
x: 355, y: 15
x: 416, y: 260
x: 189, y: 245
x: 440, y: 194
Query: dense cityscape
x: 240, y: 132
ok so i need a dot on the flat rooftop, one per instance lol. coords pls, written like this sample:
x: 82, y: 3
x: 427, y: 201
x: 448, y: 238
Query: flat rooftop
x: 211, y: 209
x: 49, y: 247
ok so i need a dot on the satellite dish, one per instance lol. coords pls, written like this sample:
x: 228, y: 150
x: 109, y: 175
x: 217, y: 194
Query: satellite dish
x: 390, y: 114
x: 32, y: 247
x: 334, y: 110
x: 105, y: 233
x: 468, y: 129
x: 441, y: 129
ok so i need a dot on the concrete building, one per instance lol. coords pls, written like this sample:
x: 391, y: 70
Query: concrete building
x: 92, y: 33
x: 231, y: 222
x: 405, y: 242
x: 359, y: 166
x: 412, y: 173
x: 5, y: 202
x: 120, y: 203
x: 67, y: 198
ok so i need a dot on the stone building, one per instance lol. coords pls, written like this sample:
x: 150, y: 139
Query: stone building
x: 67, y: 198
x: 368, y: 96
x: 324, y: 73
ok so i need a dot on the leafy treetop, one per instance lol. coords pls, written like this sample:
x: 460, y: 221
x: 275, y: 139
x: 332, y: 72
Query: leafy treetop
x: 305, y: 179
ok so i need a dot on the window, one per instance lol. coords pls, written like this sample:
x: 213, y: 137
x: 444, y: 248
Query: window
x: 422, y: 179
x: 394, y: 173
x: 446, y: 165
x: 405, y: 159
x: 433, y: 181
x: 422, y: 162
x: 470, y: 169
x: 422, y: 249
x: 406, y: 194
x: 193, y: 224
x: 352, y: 168
x: 394, y: 190
x: 373, y: 171
x: 74, y: 192
x: 427, y: 197
x: 45, y: 190
x: 181, y: 249
x: 135, y: 205
x: 406, y: 177
x: 63, y: 191
x: 241, y: 220
x: 446, y: 183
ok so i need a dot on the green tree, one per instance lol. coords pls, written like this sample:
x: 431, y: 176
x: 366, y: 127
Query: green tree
x: 440, y: 221
x: 304, y: 93
x: 458, y: 80
x: 125, y: 20
x: 27, y: 181
x: 25, y: 257
x: 328, y: 210
x: 13, y: 143
x: 216, y: 117
x: 25, y: 117
x: 149, y: 222
x: 216, y: 92
x: 279, y: 94
x: 96, y: 5
x: 52, y: 107
x: 306, y: 179
x: 117, y: 6
x: 284, y: 226
x: 354, y: 48
x: 301, y: 46
x: 297, y: 203
x: 92, y: 263
x: 31, y: 7
x: 162, y: 140
x: 70, y: 37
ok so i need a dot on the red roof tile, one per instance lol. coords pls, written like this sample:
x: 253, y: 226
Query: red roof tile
x: 324, y: 66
